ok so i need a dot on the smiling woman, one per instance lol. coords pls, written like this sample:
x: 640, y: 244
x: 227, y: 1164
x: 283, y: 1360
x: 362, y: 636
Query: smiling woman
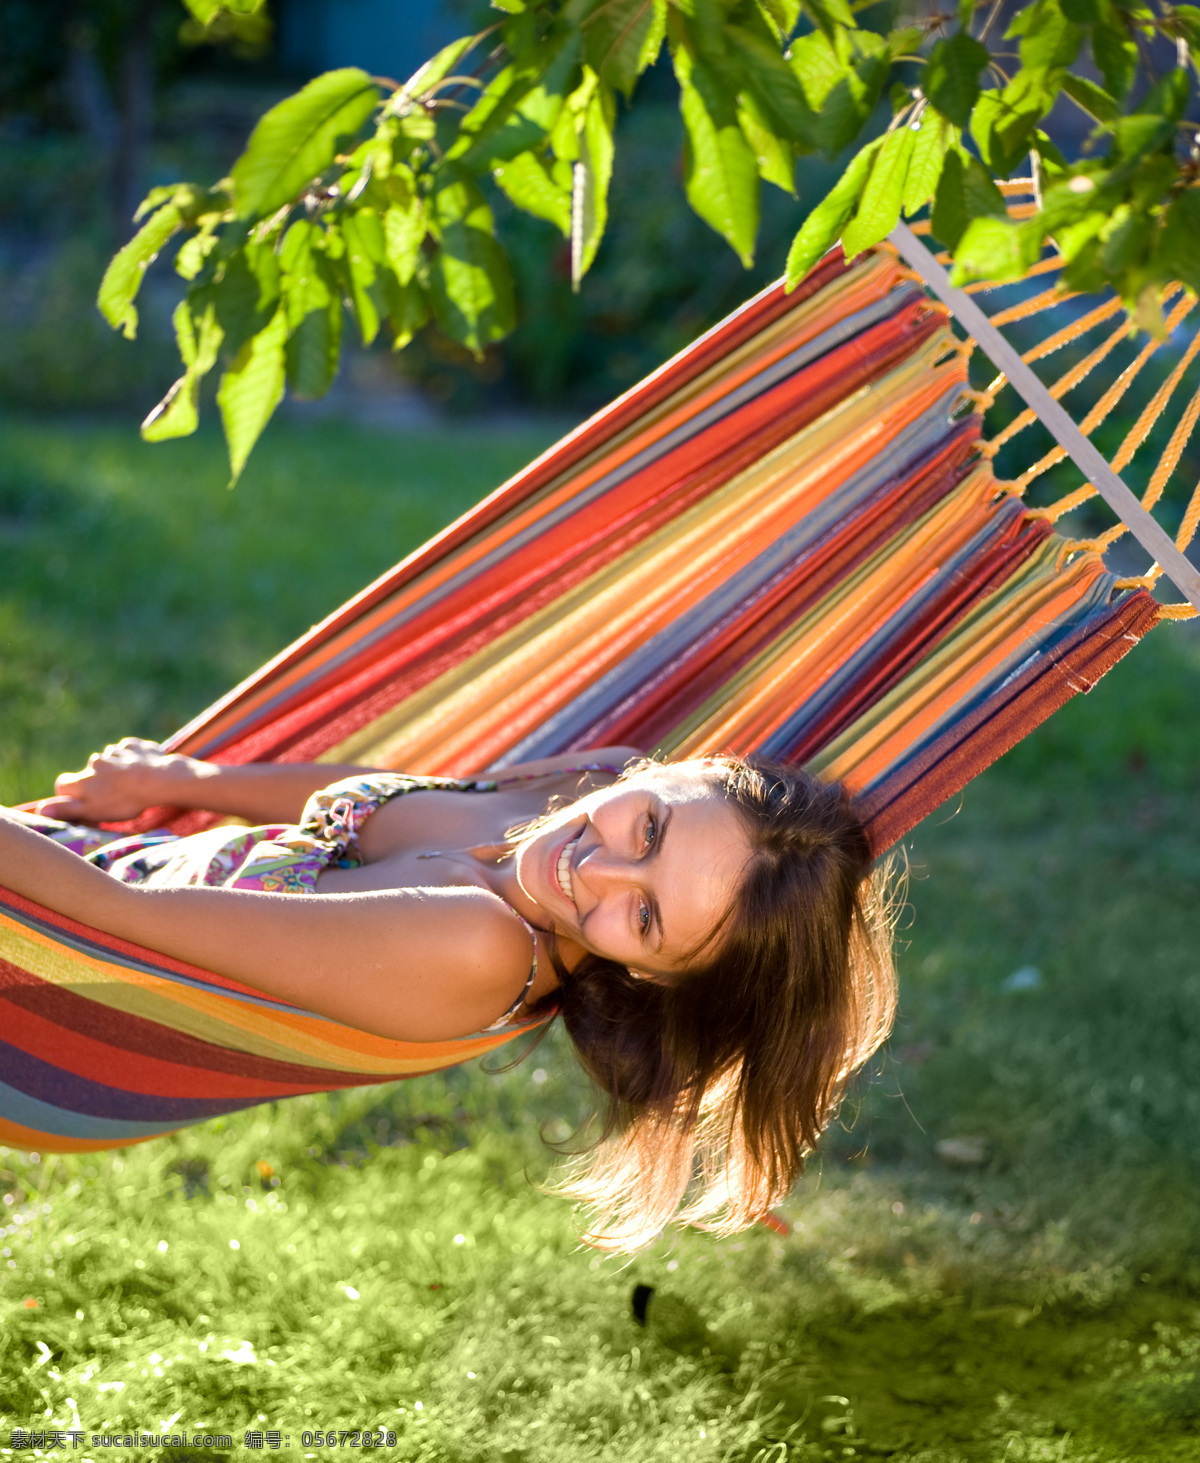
x: 709, y: 931
x: 642, y: 873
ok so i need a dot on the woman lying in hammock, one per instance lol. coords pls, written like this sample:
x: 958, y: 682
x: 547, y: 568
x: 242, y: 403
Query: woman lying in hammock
x: 709, y: 931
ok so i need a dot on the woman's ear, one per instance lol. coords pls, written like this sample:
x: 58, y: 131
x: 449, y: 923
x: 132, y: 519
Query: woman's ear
x: 651, y: 979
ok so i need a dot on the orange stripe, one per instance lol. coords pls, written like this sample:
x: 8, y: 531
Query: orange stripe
x: 908, y: 724
x: 13, y: 1135
x: 863, y: 285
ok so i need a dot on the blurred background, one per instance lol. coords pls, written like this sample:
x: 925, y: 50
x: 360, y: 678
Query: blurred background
x: 102, y: 99
x: 996, y: 1255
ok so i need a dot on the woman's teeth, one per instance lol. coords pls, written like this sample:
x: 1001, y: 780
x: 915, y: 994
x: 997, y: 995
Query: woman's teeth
x: 564, y: 867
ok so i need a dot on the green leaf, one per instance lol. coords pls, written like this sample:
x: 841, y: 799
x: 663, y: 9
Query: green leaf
x: 1116, y: 56
x: 720, y: 172
x: 879, y: 206
x: 298, y: 139
x: 776, y: 158
x: 591, y: 177
x: 841, y: 80
x: 251, y: 389
x: 995, y: 248
x: 123, y: 277
x: 824, y: 224
x: 782, y: 106
x: 849, y: 103
x: 363, y: 235
x: 529, y: 182
x: 1073, y: 238
x: 193, y: 252
x: 295, y: 248
x: 1179, y: 242
x: 1003, y: 123
x: 155, y: 199
x: 622, y: 37
x: 313, y: 349
x: 1169, y: 95
x: 205, y: 11
x: 177, y: 414
x: 1141, y: 133
x: 965, y: 191
x: 782, y: 15
x: 828, y: 15
x: 439, y: 66
x: 407, y: 307
x: 1187, y: 24
x: 1094, y: 100
x: 1084, y: 12
x: 246, y: 294
x: 414, y: 129
x: 520, y: 106
x: 313, y: 302
x: 404, y: 230
x: 927, y: 159
x: 1049, y: 39
x: 1150, y: 181
x: 951, y: 78
x: 818, y: 67
x: 1126, y: 240
x: 469, y: 278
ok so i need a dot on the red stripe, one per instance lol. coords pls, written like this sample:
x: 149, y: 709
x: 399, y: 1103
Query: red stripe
x: 925, y: 631
x: 92, y: 1040
x: 115, y: 945
x: 650, y: 713
x: 552, y: 564
x: 920, y: 784
x: 721, y: 341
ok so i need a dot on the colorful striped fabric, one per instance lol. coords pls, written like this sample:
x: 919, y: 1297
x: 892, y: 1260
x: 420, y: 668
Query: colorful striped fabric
x: 784, y: 541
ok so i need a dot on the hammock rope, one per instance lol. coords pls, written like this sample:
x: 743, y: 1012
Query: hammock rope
x: 789, y: 539
x: 1178, y: 305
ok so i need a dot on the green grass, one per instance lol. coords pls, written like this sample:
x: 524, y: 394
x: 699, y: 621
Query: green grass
x: 334, y: 1262
x: 137, y: 589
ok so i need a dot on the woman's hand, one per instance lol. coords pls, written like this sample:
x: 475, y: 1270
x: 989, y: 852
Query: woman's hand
x: 120, y: 782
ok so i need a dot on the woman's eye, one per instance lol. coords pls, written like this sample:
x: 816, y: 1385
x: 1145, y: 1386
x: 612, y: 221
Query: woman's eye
x: 651, y: 830
x: 643, y: 918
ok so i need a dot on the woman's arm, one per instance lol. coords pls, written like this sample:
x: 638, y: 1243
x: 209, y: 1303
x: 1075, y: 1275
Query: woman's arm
x: 133, y: 774
x: 412, y: 964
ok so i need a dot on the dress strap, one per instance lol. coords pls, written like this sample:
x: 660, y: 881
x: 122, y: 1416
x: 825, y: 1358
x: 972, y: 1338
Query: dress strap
x: 527, y: 987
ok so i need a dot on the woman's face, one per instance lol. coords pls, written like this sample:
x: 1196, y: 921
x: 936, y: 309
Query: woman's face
x: 640, y: 872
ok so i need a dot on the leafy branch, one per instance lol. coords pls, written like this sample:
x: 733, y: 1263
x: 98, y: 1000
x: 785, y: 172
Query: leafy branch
x: 360, y: 194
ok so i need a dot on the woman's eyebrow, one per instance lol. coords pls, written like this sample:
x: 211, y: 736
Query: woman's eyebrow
x: 655, y: 909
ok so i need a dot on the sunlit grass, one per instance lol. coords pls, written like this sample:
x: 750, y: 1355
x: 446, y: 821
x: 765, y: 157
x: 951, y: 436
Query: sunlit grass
x: 332, y: 1262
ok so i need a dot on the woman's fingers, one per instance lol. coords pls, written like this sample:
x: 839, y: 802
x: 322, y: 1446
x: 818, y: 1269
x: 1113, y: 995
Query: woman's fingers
x: 67, y: 810
x: 117, y: 783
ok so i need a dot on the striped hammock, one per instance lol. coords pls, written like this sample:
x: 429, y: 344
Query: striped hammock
x: 789, y: 539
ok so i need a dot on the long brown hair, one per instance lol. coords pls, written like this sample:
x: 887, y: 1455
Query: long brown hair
x: 714, y: 1088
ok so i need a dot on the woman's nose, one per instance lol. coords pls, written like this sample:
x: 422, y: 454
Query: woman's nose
x: 602, y: 870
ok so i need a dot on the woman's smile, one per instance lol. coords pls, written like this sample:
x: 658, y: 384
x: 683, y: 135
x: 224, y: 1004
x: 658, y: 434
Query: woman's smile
x: 563, y: 868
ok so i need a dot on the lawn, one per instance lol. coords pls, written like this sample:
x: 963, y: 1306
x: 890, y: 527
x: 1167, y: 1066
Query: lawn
x: 384, y: 1259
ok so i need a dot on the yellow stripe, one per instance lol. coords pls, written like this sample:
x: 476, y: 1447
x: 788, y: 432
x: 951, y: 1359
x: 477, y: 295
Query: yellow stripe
x: 492, y: 698
x: 225, y: 1020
